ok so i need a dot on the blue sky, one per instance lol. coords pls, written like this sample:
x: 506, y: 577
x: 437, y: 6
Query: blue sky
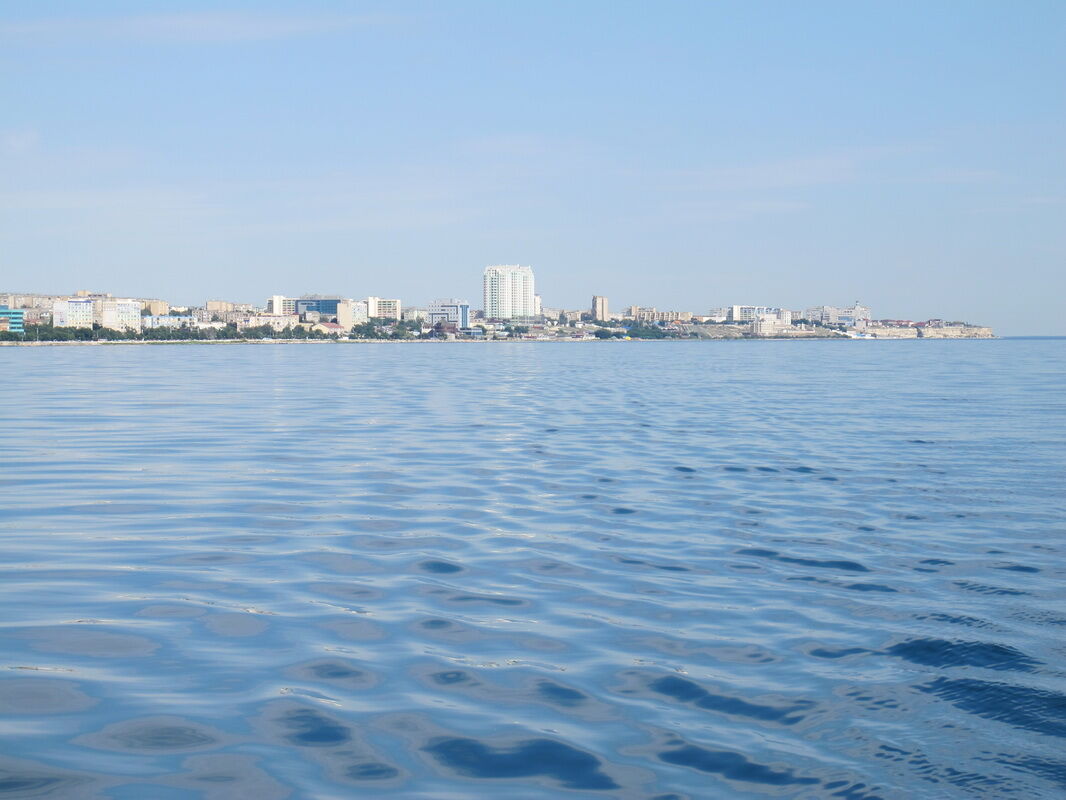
x: 911, y: 155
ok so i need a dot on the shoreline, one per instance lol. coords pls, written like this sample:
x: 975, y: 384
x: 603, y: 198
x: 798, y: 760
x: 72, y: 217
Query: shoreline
x: 127, y: 342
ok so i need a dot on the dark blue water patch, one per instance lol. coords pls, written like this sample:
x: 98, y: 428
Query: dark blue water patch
x: 955, y: 619
x: 803, y: 470
x: 622, y: 510
x: 732, y: 766
x: 686, y: 470
x: 984, y: 588
x: 371, y: 771
x: 452, y: 677
x: 848, y: 566
x: 483, y: 598
x: 1039, y: 710
x: 560, y: 695
x: 572, y: 768
x: 440, y: 567
x: 311, y: 728
x: 851, y: 791
x: 870, y: 587
x: 939, y: 562
x: 335, y: 671
x: 664, y: 567
x: 1018, y: 568
x: 1049, y: 769
x: 837, y: 652
x: 691, y: 693
x: 767, y: 469
x: 735, y: 469
x: 944, y: 653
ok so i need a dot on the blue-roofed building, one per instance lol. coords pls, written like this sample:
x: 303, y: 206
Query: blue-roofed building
x: 326, y: 306
x: 11, y: 319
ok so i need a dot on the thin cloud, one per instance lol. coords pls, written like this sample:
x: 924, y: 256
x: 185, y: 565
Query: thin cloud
x: 205, y: 27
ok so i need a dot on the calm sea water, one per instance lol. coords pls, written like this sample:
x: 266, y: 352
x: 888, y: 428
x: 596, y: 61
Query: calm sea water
x: 626, y: 570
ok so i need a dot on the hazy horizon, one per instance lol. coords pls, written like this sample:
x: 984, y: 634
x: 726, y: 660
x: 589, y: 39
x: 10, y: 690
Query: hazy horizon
x: 687, y: 155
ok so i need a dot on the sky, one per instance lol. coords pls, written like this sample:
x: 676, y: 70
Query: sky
x: 683, y: 155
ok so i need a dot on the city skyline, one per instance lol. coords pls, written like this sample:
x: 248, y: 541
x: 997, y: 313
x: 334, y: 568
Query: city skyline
x: 903, y: 153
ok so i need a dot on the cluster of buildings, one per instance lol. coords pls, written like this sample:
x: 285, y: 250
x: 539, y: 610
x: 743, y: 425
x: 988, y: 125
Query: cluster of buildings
x: 510, y: 307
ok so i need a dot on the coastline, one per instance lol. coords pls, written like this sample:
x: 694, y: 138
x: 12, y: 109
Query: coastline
x: 164, y: 342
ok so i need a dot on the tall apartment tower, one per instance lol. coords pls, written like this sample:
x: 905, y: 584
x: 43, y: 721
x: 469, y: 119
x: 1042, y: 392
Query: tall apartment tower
x: 599, y: 307
x: 509, y: 292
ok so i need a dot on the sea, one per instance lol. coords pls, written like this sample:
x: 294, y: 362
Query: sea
x: 654, y: 570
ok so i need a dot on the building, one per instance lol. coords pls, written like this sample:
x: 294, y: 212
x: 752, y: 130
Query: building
x: 508, y: 292
x: 153, y: 321
x: 12, y: 319
x: 599, y: 308
x: 855, y: 316
x: 279, y: 304
x: 73, y: 312
x: 324, y: 306
x: 772, y: 324
x: 155, y: 307
x: 749, y: 313
x: 652, y: 314
x: 218, y: 306
x: 450, y: 310
x: 382, y: 308
x: 276, y: 322
x: 120, y: 314
x: 332, y: 328
x: 352, y: 312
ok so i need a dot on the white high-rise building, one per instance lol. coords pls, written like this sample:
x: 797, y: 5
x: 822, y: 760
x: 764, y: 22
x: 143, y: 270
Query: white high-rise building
x: 383, y: 308
x: 280, y: 304
x: 74, y: 312
x: 121, y: 314
x: 509, y: 292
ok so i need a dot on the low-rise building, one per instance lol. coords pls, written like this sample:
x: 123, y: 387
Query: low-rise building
x: 855, y: 316
x: 775, y: 324
x: 652, y: 314
x: 449, y: 310
x: 276, y: 322
x: 12, y: 319
x: 167, y: 321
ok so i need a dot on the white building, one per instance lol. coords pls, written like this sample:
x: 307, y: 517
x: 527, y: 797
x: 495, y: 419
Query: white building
x: 280, y: 304
x: 351, y: 312
x: 450, y: 310
x: 73, y: 312
x: 856, y: 316
x: 155, y: 321
x: 276, y: 322
x: 508, y: 292
x: 121, y: 314
x: 749, y: 313
x: 772, y: 324
x: 382, y: 308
